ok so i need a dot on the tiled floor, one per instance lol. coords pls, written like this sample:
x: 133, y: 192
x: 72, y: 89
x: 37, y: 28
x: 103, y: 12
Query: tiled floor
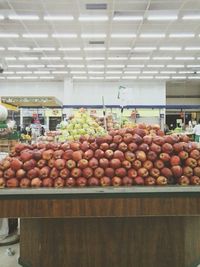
x: 9, y: 261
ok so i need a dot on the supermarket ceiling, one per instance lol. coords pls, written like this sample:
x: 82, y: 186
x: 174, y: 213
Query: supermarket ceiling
x: 100, y: 40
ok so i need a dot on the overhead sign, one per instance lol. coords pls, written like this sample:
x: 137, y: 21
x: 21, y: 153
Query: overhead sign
x: 53, y: 113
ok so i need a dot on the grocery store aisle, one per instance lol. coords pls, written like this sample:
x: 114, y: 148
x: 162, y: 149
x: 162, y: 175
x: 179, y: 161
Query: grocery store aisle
x: 9, y: 261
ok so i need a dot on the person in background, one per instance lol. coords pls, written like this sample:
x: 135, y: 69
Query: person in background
x: 42, y: 131
x: 166, y: 128
x: 196, y: 131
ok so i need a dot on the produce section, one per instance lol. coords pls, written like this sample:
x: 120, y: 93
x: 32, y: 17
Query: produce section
x: 124, y: 157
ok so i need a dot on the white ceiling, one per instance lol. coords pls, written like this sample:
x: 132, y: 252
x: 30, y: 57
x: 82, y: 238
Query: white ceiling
x: 119, y: 57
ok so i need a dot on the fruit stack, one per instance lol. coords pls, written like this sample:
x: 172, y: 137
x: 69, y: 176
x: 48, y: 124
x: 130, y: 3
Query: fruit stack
x: 124, y: 157
x: 81, y: 124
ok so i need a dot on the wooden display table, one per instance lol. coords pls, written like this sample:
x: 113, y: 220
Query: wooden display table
x: 95, y: 227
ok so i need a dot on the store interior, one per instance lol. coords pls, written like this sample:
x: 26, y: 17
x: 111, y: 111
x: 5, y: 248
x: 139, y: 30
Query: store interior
x: 99, y: 100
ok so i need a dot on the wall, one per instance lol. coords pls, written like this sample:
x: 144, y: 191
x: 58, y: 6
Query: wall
x: 90, y: 93
x: 33, y: 89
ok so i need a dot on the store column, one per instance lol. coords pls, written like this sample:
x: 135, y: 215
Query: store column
x: 68, y: 96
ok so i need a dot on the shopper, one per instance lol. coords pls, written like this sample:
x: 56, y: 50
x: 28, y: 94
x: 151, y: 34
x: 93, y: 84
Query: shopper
x: 42, y: 131
x: 196, y: 131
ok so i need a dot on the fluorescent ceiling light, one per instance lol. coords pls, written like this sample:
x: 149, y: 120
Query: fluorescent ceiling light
x: 193, y: 66
x: 23, y: 72
x: 193, y: 77
x: 119, y: 48
x: 30, y: 77
x: 192, y: 48
x: 96, y: 72
x: 117, y: 58
x: 60, y: 72
x: 2, y: 17
x: 2, y: 48
x: 18, y: 48
x: 35, y: 66
x: 23, y: 17
x: 75, y: 66
x: 16, y: 66
x: 93, y: 18
x: 28, y: 58
x: 168, y: 72
x: 152, y: 35
x: 47, y: 77
x: 35, y: 35
x: 94, y: 48
x: 10, y: 58
x: 191, y: 17
x: 77, y: 72
x: 162, y: 58
x: 148, y: 48
x: 64, y: 35
x: 150, y: 72
x: 155, y: 66
x: 56, y: 66
x: 94, y: 58
x: 175, y: 66
x: 186, y: 72
x: 42, y: 72
x: 113, y: 72
x: 178, y: 77
x: 44, y: 49
x: 95, y: 66
x: 132, y: 72
x: 140, y: 58
x: 129, y: 77
x: 170, y: 48
x: 93, y: 35
x: 72, y: 58
x: 8, y: 72
x: 135, y: 66
x: 123, y: 35
x: 96, y: 78
x: 9, y: 35
x: 162, y: 77
x: 2, y: 78
x: 184, y: 58
x: 181, y: 35
x: 115, y: 66
x: 112, y: 78
x: 14, y: 78
x: 162, y: 17
x: 127, y: 18
x: 69, y: 49
x: 145, y: 77
x: 58, y: 18
x: 80, y: 77
x: 50, y: 58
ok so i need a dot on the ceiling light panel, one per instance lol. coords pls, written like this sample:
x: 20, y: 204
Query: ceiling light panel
x: 175, y: 66
x: 161, y: 58
x: 147, y: 48
x: 93, y: 35
x: 113, y: 72
x: 94, y: 58
x: 79, y: 77
x: 28, y: 58
x: 117, y: 48
x: 139, y: 58
x: 18, y: 48
x: 162, y: 17
x: 9, y: 35
x: 2, y: 17
x: 155, y: 66
x: 58, y: 18
x: 35, y: 66
x: 181, y: 35
x: 94, y: 48
x: 75, y: 66
x: 50, y: 58
x: 23, y: 17
x: 170, y: 48
x: 23, y: 72
x: 115, y: 66
x: 192, y: 48
x: 44, y: 49
x: 95, y: 66
x: 129, y: 77
x: 152, y: 35
x: 64, y: 35
x: 117, y: 58
x: 60, y: 72
x: 135, y: 66
x: 77, y: 72
x: 56, y: 66
x: 184, y: 58
x: 73, y: 58
x: 93, y: 18
x: 168, y: 72
x: 127, y: 18
x: 123, y: 35
x: 16, y: 66
x: 47, y: 77
x: 162, y: 77
x: 191, y: 17
x: 35, y: 35
x: 71, y: 49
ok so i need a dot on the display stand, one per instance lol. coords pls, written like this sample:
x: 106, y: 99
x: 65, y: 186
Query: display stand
x: 95, y: 227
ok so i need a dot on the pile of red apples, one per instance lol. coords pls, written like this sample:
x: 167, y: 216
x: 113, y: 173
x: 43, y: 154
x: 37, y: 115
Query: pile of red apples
x: 124, y: 157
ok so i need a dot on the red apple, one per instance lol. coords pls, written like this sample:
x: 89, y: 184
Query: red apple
x: 25, y: 183
x: 195, y: 154
x: 159, y: 164
x: 83, y: 163
x: 183, y: 155
x: 70, y: 182
x: 58, y: 154
x: 16, y: 164
x: 184, y: 180
x: 67, y: 154
x: 115, y: 163
x: 4, y: 164
x: 154, y: 172
x: 127, y: 181
x: 76, y: 172
x: 64, y: 173
x: 93, y: 146
x: 151, y: 155
x: 93, y: 181
x: 120, y: 172
x: 150, y: 181
x: 19, y: 147
x: 118, y: 155
x: 165, y: 157
x: 178, y: 147
x: 116, y: 181
x: 59, y: 164
x: 32, y: 173
x: 47, y: 182
x: 105, y: 181
x: 132, y: 173
x: 191, y: 162
x: 88, y: 154
x: 109, y: 154
x: 113, y: 146
x: 187, y: 171
x: 117, y: 139
x: 175, y: 160
x: 99, y: 172
x: 103, y: 163
x: 2, y: 182
x: 130, y: 156
x: 47, y: 154
x: 36, y: 182
x: 81, y: 182
x: 104, y: 146
x: 144, y: 147
x: 87, y: 172
x: 59, y: 182
x: 140, y: 155
x: 99, y: 154
x: 12, y: 183
x: 132, y: 147
x: 41, y: 163
x: 166, y: 172
x: 148, y: 164
x: 74, y: 145
x: 136, y: 164
x: 195, y: 180
x: 70, y: 164
x: 127, y: 138
x: 109, y: 172
x: 138, y: 180
x: 147, y: 139
x: 161, y: 180
x: 126, y: 164
x: 197, y: 171
x: 26, y: 155
x: 122, y: 146
x: 167, y: 148
x: 177, y: 171
x: 93, y: 163
x: 137, y: 138
x: 77, y: 155
x: 9, y: 173
x: 54, y: 173
x: 84, y: 146
x: 143, y: 172
x: 158, y: 140
x: 155, y: 148
x: 20, y: 173
x: 65, y: 146
x: 51, y: 163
